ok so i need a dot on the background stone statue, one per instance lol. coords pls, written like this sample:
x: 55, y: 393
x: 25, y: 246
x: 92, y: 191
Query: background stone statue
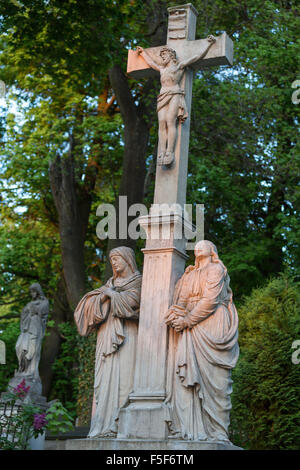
x: 171, y: 104
x: 113, y: 311
x: 29, y: 344
x: 33, y: 324
x: 203, y: 349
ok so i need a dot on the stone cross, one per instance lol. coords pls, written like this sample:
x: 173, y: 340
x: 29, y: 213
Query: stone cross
x: 170, y: 184
x: 164, y: 259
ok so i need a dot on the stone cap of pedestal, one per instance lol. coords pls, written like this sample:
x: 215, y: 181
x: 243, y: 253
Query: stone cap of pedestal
x: 137, y: 397
x: 167, y: 229
x: 185, y: 7
x: 182, y: 23
x: 165, y: 217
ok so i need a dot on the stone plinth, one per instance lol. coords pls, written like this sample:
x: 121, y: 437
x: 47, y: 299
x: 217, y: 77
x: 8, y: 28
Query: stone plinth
x: 139, y: 444
x: 145, y: 416
x: 35, y: 392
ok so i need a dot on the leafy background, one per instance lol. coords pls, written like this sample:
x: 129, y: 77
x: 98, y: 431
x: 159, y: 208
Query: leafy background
x: 68, y: 128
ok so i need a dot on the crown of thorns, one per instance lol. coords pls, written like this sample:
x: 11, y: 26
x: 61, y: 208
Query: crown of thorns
x: 168, y: 49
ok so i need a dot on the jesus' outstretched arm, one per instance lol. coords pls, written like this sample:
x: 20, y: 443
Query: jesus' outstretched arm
x: 211, y: 40
x: 147, y: 58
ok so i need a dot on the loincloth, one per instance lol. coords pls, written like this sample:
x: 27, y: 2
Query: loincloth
x: 164, y: 98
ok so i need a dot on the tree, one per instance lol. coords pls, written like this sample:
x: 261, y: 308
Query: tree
x: 244, y: 151
x: 266, y: 392
x: 67, y: 145
x: 78, y: 132
x: 64, y: 138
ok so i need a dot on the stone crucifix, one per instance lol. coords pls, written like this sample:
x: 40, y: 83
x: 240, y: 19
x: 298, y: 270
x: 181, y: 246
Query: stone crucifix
x: 164, y: 258
x: 175, y: 62
x: 171, y: 106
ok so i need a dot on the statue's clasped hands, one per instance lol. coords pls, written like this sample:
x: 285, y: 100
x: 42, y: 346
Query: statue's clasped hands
x: 175, y: 318
x: 106, y: 292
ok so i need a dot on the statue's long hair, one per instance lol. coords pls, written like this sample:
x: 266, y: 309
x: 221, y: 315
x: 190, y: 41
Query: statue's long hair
x: 215, y: 259
x: 214, y: 253
x: 170, y: 51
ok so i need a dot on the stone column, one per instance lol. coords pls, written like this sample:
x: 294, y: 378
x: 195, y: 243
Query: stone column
x: 170, y: 183
x: 164, y: 261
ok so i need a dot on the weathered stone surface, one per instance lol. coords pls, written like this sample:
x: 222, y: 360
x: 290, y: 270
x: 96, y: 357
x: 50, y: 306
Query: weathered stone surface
x: 203, y: 349
x: 28, y: 347
x: 33, y: 324
x: 145, y: 415
x: 2, y: 352
x: 174, y: 101
x: 148, y: 415
x: 112, y: 310
x: 55, y: 445
x: 139, y: 444
x: 220, y: 54
x: 171, y: 104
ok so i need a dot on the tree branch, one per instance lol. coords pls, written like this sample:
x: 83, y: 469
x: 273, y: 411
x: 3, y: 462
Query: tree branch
x: 120, y: 86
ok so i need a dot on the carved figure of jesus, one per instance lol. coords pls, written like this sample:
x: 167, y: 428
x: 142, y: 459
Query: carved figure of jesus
x: 171, y: 106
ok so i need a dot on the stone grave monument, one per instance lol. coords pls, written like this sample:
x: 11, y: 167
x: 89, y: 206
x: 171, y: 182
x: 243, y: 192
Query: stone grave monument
x: 28, y: 347
x: 186, y: 343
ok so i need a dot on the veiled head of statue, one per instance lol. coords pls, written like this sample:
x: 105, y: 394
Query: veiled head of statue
x: 36, y: 290
x: 205, y: 248
x: 126, y: 254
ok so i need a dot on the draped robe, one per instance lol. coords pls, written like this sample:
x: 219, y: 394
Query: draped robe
x: 201, y: 356
x: 115, y: 319
x: 29, y: 343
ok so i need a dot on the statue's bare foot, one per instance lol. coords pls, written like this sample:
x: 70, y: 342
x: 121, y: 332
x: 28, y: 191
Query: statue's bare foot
x: 175, y: 435
x: 160, y: 159
x: 168, y: 158
x: 108, y: 434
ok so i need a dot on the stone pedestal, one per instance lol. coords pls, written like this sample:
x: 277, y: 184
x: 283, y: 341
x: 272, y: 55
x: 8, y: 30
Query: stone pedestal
x: 164, y: 261
x: 146, y: 444
x: 34, y: 395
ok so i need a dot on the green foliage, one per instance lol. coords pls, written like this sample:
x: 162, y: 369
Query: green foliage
x: 244, y: 150
x: 21, y: 425
x: 87, y: 347
x: 65, y: 369
x: 10, y: 332
x: 266, y: 393
x: 59, y: 420
x: 6, y: 444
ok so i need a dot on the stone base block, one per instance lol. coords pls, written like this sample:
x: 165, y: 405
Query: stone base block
x: 139, y: 422
x: 35, y: 392
x: 139, y: 444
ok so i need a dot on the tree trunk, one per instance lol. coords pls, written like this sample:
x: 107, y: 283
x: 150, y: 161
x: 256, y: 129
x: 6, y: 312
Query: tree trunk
x: 51, y: 345
x: 73, y: 210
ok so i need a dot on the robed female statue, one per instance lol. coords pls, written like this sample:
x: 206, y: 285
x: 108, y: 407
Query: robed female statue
x: 203, y: 349
x: 33, y: 324
x: 113, y: 311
